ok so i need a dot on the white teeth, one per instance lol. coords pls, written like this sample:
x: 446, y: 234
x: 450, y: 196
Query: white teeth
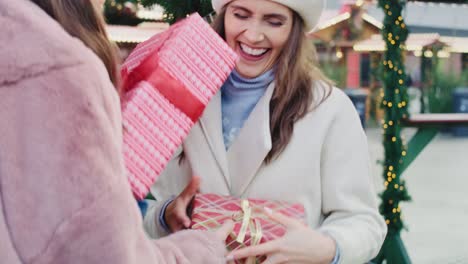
x: 251, y: 51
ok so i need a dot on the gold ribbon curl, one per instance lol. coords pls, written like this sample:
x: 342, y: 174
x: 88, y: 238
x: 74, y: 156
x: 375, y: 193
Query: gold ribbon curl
x: 249, y: 224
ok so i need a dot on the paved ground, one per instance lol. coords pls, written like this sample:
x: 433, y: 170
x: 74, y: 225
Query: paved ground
x: 437, y: 180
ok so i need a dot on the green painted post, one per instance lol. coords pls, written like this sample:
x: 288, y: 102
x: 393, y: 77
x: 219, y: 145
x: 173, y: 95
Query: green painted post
x: 395, y: 103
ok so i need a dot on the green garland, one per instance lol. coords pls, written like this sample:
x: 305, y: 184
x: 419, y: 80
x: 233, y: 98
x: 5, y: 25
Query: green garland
x: 174, y: 10
x: 395, y: 103
x: 178, y: 9
x: 121, y: 12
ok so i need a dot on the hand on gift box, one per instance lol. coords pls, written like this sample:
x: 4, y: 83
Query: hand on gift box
x: 224, y: 230
x: 176, y: 214
x: 300, y: 244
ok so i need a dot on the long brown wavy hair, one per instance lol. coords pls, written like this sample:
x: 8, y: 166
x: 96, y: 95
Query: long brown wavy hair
x: 83, y: 20
x: 295, y: 76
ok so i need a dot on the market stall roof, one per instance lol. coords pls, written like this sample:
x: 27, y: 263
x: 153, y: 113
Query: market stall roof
x: 456, y: 44
x: 415, y: 42
x: 138, y: 34
x: 445, y: 18
x: 332, y: 17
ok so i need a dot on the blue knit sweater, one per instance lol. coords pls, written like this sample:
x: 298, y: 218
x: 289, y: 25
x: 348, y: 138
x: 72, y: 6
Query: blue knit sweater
x: 239, y: 96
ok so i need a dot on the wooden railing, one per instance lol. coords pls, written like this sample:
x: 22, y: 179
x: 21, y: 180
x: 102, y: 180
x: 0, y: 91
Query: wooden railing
x: 428, y: 126
x: 393, y: 251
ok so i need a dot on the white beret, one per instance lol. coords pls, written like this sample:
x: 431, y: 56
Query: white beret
x: 309, y: 10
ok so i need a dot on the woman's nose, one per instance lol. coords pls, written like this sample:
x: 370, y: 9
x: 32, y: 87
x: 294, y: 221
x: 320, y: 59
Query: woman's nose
x: 254, y: 34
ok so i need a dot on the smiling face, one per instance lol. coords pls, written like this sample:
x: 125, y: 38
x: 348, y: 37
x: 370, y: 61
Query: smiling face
x: 257, y: 31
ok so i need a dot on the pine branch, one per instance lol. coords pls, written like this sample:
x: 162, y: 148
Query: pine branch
x: 175, y: 10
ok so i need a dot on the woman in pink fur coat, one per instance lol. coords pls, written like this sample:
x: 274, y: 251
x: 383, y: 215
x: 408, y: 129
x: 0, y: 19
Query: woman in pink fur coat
x: 63, y: 194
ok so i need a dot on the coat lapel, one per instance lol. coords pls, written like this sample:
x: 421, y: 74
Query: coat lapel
x: 248, y: 151
x: 212, y: 128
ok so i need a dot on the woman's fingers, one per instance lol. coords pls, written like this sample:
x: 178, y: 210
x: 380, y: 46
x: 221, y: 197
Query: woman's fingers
x: 181, y: 214
x: 181, y: 203
x: 252, y: 251
x: 276, y: 259
x: 224, y: 231
x: 190, y: 190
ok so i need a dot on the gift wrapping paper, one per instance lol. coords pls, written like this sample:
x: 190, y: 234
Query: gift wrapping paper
x: 252, y: 226
x: 168, y: 80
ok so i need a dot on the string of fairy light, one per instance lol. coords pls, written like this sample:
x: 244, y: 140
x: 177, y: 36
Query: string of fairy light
x: 119, y: 4
x: 395, y: 103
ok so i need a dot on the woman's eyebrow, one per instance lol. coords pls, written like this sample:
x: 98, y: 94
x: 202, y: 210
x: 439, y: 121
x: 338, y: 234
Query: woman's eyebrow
x: 241, y: 8
x: 267, y: 16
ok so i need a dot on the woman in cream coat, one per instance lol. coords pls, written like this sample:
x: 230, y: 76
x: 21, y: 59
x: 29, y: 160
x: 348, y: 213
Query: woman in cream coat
x: 323, y: 163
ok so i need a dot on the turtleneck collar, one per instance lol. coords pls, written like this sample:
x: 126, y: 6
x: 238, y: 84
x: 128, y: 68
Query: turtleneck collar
x: 239, y: 96
x: 237, y: 84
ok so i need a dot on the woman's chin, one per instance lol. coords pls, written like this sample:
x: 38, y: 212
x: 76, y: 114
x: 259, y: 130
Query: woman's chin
x: 250, y: 72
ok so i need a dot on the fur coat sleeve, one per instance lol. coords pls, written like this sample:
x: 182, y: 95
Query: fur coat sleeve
x: 64, y: 197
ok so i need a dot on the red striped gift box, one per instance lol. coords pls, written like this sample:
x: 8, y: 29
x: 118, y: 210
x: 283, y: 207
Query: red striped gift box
x: 168, y: 81
x: 251, y: 227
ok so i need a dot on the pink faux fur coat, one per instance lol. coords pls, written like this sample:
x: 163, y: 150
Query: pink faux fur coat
x: 63, y: 194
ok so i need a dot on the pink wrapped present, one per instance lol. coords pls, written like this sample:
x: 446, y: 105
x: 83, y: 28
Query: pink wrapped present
x: 168, y: 81
x: 252, y: 226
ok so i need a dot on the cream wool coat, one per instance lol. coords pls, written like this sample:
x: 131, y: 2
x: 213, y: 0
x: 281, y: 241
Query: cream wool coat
x: 325, y: 167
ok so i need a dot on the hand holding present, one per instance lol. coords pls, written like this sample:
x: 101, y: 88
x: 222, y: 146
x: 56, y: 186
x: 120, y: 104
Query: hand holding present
x: 252, y: 225
x: 176, y: 212
x: 300, y: 244
x: 225, y: 230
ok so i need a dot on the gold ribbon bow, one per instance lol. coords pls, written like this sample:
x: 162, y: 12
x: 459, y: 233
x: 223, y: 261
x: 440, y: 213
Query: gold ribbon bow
x: 249, y: 223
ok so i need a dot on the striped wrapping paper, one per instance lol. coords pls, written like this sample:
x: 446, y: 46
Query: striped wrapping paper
x: 210, y: 211
x: 168, y: 81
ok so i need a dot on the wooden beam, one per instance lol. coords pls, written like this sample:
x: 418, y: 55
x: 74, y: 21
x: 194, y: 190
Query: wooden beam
x: 442, y: 1
x: 428, y: 126
x: 417, y: 144
x: 436, y: 120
